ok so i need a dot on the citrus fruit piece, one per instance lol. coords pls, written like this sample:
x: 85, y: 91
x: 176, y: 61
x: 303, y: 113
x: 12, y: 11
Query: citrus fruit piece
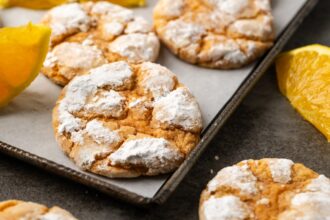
x: 304, y: 78
x: 45, y: 4
x: 22, y: 53
x: 35, y: 4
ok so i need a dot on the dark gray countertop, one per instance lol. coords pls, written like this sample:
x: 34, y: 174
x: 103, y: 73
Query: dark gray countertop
x: 265, y: 125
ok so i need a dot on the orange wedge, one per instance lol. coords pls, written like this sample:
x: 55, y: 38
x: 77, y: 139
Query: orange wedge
x: 304, y: 78
x: 45, y: 4
x: 22, y: 53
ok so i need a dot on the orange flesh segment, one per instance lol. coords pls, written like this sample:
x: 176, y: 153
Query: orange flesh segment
x: 22, y: 52
x: 304, y: 78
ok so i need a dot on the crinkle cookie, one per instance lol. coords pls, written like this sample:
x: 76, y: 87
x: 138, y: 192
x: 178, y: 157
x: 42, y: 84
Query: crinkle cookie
x: 266, y: 189
x: 220, y: 34
x: 20, y: 210
x: 90, y: 34
x: 125, y: 120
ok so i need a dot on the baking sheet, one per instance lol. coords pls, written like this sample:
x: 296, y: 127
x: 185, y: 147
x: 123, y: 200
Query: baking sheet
x: 26, y: 122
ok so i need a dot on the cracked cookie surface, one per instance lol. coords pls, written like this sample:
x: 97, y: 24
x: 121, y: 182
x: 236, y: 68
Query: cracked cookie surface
x: 15, y: 209
x: 87, y: 35
x: 266, y: 189
x: 215, y: 33
x: 127, y: 120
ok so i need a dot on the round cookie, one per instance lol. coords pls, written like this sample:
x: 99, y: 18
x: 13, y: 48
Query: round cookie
x: 87, y: 35
x: 266, y: 189
x: 127, y: 120
x: 15, y: 209
x: 220, y: 34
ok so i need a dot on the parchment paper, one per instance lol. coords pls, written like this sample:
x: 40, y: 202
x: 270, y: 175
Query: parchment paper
x: 26, y: 122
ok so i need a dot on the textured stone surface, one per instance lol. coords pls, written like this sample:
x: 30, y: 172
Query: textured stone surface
x: 264, y: 125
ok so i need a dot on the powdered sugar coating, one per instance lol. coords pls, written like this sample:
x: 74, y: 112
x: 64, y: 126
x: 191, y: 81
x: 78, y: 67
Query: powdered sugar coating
x: 107, y: 104
x: 56, y: 213
x: 280, y: 170
x: 237, y: 177
x: 136, y: 47
x: 155, y: 154
x: 138, y: 25
x: 225, y: 208
x: 112, y: 29
x: 178, y: 108
x: 311, y: 204
x: 111, y: 11
x: 170, y: 8
x: 107, y: 114
x: 230, y: 7
x: 182, y: 34
x: 67, y: 19
x: 187, y: 26
x: 75, y: 55
x: 263, y: 201
x: 319, y: 184
x: 100, y: 134
x: 308, y: 206
x: 114, y: 75
x: 157, y: 79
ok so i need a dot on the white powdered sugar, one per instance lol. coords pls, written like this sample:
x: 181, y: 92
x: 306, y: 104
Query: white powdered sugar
x: 55, y: 216
x: 280, y: 170
x: 228, y: 50
x: 138, y: 25
x: 308, y: 206
x: 237, y: 177
x: 87, y: 154
x: 253, y: 27
x: 263, y: 5
x: 69, y: 18
x: 68, y: 123
x: 155, y: 154
x: 170, y: 8
x: 321, y: 184
x: 178, y: 108
x: 229, y: 6
x: 101, y: 134
x: 263, y: 201
x: 157, y: 79
x: 112, y: 12
x: 107, y: 104
x: 56, y: 213
x: 75, y: 55
x: 135, y: 103
x: 113, y: 28
x: 114, y: 75
x: 312, y: 204
x: 50, y: 60
x: 182, y: 34
x: 136, y: 47
x: 226, y: 208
